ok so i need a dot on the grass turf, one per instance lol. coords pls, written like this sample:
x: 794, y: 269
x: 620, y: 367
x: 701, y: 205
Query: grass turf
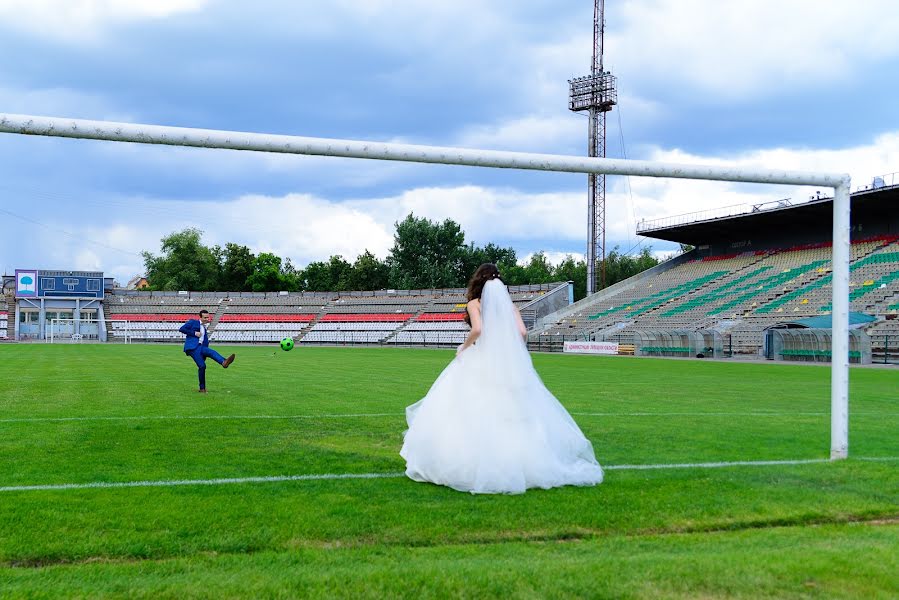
x: 95, y: 413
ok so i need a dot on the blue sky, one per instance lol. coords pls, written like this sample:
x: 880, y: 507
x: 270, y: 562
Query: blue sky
x: 788, y: 84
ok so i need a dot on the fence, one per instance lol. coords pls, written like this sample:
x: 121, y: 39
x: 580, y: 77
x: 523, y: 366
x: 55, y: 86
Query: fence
x: 884, y: 348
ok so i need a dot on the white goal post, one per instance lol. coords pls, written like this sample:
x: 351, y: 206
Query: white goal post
x: 260, y: 142
x: 64, y: 330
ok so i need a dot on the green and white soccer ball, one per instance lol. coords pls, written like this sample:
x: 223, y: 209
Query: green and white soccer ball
x: 287, y: 344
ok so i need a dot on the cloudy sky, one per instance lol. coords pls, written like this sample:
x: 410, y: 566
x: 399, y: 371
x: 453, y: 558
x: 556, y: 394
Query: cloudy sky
x: 797, y: 84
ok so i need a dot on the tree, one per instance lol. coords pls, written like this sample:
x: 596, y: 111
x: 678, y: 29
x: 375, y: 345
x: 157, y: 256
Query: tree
x: 369, y: 273
x: 340, y: 274
x: 332, y: 276
x: 266, y: 275
x: 237, y: 265
x: 538, y: 269
x: 317, y: 276
x: 513, y: 273
x: 426, y: 254
x: 576, y: 271
x: 474, y: 256
x: 619, y: 266
x: 185, y: 263
x: 291, y: 277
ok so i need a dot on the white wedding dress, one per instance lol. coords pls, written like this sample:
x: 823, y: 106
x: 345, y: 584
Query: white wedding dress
x: 488, y: 425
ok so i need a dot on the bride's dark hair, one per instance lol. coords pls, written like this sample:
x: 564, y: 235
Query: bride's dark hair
x: 485, y: 273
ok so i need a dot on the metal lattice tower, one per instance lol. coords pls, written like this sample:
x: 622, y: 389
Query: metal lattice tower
x: 597, y: 94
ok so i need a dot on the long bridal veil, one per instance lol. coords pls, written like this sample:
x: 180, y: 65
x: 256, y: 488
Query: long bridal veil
x: 489, y: 425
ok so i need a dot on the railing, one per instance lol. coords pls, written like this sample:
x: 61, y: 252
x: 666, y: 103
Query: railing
x: 880, y: 181
x: 875, y: 183
x: 711, y: 214
x: 885, y: 348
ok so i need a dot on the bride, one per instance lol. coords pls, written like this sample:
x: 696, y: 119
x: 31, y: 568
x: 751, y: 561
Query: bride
x: 488, y: 425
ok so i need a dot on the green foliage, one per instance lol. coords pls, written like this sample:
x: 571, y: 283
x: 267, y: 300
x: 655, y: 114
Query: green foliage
x: 538, y: 269
x: 266, y: 275
x: 474, y: 256
x: 368, y: 273
x: 317, y: 276
x: 622, y: 266
x: 238, y: 263
x: 425, y: 254
x: 185, y: 263
x: 291, y: 277
x: 575, y: 271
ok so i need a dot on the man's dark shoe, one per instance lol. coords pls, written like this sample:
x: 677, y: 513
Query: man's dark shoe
x: 202, y: 391
x: 228, y: 361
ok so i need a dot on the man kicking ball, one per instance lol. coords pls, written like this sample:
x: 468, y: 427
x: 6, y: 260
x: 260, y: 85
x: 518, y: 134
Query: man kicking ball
x: 197, y: 347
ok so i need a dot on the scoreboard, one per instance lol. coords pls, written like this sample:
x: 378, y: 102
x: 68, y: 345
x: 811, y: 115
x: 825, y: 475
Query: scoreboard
x: 32, y: 283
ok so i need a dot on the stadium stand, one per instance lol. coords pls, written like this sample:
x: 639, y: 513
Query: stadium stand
x: 258, y: 317
x: 742, y: 294
x: 153, y: 316
x: 442, y: 322
x: 409, y: 317
x: 729, y: 290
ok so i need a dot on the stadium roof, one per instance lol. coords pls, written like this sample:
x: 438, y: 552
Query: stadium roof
x: 856, y: 319
x: 868, y: 205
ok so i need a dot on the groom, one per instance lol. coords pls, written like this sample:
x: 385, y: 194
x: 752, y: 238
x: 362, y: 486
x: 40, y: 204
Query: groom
x: 197, y: 347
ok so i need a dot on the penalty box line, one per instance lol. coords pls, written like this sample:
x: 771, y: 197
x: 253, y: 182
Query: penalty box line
x: 338, y: 476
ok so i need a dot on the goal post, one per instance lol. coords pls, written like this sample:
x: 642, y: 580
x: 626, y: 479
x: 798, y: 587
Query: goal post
x: 67, y: 330
x: 285, y: 144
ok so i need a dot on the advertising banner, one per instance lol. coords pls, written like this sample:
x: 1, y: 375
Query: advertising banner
x: 591, y: 347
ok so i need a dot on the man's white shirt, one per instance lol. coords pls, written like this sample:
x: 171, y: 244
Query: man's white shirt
x: 202, y: 332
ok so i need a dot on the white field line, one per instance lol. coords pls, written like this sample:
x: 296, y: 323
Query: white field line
x: 725, y: 414
x: 198, y: 417
x: 177, y: 482
x: 375, y: 415
x: 335, y: 476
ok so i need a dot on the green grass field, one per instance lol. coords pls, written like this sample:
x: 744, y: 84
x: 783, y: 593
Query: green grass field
x: 86, y: 414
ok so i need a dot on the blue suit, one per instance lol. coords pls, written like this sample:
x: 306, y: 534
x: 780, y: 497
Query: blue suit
x: 198, y: 349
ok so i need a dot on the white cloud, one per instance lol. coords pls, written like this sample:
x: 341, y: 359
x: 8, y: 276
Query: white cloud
x: 663, y: 197
x: 60, y: 101
x: 299, y: 227
x: 306, y: 228
x: 533, y: 133
x: 486, y: 214
x: 554, y: 258
x: 87, y: 260
x: 756, y: 47
x: 85, y: 20
x: 663, y: 255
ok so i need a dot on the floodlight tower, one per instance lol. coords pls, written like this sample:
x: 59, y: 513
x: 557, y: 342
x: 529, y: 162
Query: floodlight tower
x: 597, y: 94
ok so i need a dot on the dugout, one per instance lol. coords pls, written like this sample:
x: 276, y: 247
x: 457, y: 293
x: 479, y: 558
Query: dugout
x: 810, y: 340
